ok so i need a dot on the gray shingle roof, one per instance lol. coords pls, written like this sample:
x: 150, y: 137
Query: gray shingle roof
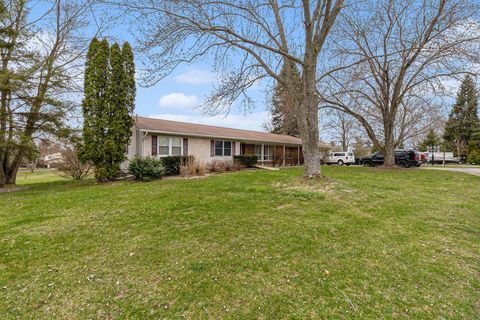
x: 201, y: 130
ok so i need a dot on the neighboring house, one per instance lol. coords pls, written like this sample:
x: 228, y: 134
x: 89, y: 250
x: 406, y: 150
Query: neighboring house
x: 52, y: 159
x: 161, y: 138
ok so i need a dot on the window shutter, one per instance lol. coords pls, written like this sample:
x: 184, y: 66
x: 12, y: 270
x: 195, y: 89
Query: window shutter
x: 234, y: 149
x: 212, y: 148
x: 185, y: 146
x: 154, y: 146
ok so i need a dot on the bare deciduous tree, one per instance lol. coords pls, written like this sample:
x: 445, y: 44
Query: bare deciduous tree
x: 342, y: 128
x: 72, y: 167
x: 395, y: 56
x: 38, y: 75
x: 248, y: 40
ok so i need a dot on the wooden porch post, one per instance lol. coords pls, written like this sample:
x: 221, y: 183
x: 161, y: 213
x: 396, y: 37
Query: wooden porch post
x: 298, y: 158
x: 263, y: 153
x: 284, y: 155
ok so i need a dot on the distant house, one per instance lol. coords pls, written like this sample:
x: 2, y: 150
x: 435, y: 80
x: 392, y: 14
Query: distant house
x: 52, y: 159
x: 161, y: 138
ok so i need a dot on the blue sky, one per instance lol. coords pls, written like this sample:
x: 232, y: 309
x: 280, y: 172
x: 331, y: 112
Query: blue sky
x: 178, y: 96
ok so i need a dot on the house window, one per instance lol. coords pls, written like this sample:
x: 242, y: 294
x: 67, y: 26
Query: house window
x: 268, y: 153
x: 258, y: 151
x: 169, y: 146
x: 176, y: 146
x: 227, y: 148
x: 223, y: 148
x: 219, y: 148
x: 163, y: 146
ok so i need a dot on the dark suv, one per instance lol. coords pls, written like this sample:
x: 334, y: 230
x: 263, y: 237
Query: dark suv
x: 403, y: 158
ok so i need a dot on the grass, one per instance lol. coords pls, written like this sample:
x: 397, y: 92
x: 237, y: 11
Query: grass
x: 26, y: 177
x: 366, y: 244
x: 457, y: 165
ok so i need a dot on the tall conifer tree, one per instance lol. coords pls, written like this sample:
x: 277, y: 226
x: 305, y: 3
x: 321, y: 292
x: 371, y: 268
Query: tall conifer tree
x: 284, y: 102
x: 129, y: 86
x: 108, y: 106
x: 463, y: 118
x: 95, y: 106
x: 114, y: 140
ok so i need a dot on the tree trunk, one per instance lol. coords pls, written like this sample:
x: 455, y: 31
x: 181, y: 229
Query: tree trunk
x: 389, y: 151
x: 308, y: 124
x: 309, y: 133
x: 389, y: 146
x: 9, y: 176
x: 312, y: 158
x: 12, y: 176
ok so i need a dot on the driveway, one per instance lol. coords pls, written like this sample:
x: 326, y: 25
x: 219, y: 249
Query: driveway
x: 474, y: 171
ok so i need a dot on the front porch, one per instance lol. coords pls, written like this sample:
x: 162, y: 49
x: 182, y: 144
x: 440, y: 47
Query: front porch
x: 274, y: 155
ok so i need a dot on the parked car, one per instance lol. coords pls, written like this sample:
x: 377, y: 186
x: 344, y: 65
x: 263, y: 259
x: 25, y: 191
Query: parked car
x: 403, y: 158
x: 340, y: 158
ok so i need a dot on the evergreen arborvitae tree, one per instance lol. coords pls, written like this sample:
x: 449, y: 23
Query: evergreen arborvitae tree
x: 89, y: 90
x: 107, y: 107
x: 129, y: 79
x: 95, y: 106
x: 284, y: 102
x: 431, y: 140
x: 463, y: 118
x: 114, y: 144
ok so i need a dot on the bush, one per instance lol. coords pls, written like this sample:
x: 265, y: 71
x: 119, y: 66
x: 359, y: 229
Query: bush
x: 72, y: 167
x: 147, y: 169
x: 192, y: 168
x: 172, y: 164
x: 104, y: 173
x: 248, y: 160
x: 221, y: 166
x: 473, y: 156
x: 218, y: 166
x: 229, y: 165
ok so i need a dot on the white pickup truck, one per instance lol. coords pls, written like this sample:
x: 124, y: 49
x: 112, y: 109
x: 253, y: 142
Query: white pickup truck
x: 440, y: 157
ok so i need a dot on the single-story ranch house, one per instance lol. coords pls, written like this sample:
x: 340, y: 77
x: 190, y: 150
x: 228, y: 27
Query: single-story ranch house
x: 161, y: 138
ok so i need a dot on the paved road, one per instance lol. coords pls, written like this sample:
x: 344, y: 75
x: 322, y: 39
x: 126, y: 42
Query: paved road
x: 474, y: 171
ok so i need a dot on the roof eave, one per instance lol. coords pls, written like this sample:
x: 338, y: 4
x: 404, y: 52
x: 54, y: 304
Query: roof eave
x: 218, y: 137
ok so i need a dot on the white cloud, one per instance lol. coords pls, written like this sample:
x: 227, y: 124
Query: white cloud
x: 249, y: 121
x: 178, y: 100
x: 195, y: 77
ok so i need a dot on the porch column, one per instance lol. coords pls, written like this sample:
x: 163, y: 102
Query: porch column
x: 263, y: 153
x: 298, y: 160
x: 284, y: 155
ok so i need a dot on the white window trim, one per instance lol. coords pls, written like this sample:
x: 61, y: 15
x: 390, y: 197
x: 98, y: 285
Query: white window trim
x: 170, y: 147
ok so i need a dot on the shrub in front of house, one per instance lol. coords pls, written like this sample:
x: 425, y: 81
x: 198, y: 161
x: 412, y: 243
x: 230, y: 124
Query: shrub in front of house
x: 146, y: 169
x: 172, y: 164
x: 192, y: 167
x: 248, y: 160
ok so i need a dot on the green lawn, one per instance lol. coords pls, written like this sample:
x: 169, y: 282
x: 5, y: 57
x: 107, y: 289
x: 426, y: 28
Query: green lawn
x: 368, y: 244
x: 26, y: 177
